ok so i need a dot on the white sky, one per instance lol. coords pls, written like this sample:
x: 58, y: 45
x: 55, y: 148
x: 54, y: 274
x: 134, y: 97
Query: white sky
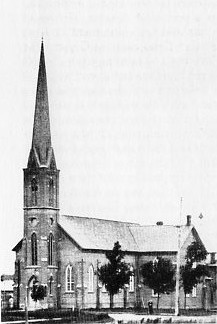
x: 133, y: 107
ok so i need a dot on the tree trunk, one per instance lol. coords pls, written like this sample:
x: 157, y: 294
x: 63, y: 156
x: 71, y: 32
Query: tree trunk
x: 125, y: 298
x: 185, y: 302
x: 111, y: 301
x: 158, y: 298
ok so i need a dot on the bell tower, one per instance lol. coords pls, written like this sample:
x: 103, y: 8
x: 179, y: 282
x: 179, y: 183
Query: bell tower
x: 41, y: 199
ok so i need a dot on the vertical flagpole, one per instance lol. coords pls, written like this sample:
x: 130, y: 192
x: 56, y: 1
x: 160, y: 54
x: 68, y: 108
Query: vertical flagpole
x: 178, y: 262
x: 180, y: 213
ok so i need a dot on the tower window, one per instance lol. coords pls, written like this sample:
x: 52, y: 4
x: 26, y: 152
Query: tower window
x: 34, y: 249
x: 33, y: 221
x: 50, y: 284
x: 51, y: 191
x: 34, y: 187
x: 70, y: 280
x: 50, y: 249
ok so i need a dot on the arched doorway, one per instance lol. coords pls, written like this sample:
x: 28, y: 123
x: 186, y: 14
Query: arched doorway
x: 31, y: 303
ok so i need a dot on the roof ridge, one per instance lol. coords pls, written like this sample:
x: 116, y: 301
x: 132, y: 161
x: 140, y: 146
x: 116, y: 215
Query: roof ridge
x: 128, y: 223
x: 160, y: 226
x: 101, y: 219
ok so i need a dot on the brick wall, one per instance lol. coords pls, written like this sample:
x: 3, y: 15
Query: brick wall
x: 82, y: 261
x: 67, y: 252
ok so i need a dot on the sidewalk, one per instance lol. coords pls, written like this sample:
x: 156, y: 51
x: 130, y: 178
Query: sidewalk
x: 125, y: 318
x: 34, y: 320
x: 58, y: 320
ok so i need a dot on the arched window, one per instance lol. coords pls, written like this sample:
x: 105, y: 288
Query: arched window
x: 50, y: 284
x: 51, y: 191
x: 90, y: 279
x: 34, y: 187
x: 132, y: 281
x: 194, y: 291
x: 25, y: 249
x: 50, y: 249
x: 70, y: 280
x: 34, y: 249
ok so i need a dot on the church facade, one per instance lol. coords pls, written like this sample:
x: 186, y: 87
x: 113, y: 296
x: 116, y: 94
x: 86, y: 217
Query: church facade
x: 63, y: 252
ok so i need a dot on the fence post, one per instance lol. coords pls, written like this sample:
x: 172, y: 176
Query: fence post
x: 82, y: 283
x: 97, y: 286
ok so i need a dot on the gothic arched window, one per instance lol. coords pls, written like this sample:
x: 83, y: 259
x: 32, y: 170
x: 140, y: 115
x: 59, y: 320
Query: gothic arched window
x: 90, y: 277
x: 34, y: 187
x: 50, y: 249
x: 34, y: 249
x: 70, y: 279
x: 50, y: 284
x: 132, y: 281
x: 51, y: 192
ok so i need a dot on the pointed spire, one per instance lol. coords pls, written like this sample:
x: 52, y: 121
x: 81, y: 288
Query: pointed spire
x: 41, y: 139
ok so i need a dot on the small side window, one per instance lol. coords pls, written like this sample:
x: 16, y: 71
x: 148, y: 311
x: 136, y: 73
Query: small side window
x: 194, y: 291
x: 70, y: 281
x: 132, y: 281
x: 91, y: 279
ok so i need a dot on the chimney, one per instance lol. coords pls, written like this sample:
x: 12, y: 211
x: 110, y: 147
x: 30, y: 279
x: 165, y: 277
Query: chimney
x: 159, y: 223
x: 212, y: 258
x: 188, y: 220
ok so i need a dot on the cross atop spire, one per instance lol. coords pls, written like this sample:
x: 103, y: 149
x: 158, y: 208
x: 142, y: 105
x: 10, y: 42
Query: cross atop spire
x: 41, y: 139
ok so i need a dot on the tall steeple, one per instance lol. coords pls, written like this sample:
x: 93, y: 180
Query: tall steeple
x: 41, y: 139
x: 41, y: 204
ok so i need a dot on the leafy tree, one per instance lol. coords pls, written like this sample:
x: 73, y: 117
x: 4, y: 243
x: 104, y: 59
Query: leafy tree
x: 38, y: 291
x: 200, y: 271
x: 116, y: 273
x: 191, y: 274
x: 188, y: 279
x: 196, y: 252
x: 159, y: 276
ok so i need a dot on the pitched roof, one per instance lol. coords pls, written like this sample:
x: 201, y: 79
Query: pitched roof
x: 157, y: 238
x: 100, y: 234
x: 18, y: 246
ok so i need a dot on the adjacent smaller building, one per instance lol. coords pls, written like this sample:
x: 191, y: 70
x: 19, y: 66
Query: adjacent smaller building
x: 7, y: 287
x: 210, y: 283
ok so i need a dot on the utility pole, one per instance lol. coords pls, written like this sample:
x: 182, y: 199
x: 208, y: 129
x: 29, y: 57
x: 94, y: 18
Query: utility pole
x: 178, y: 263
x: 137, y: 290
x: 82, y: 283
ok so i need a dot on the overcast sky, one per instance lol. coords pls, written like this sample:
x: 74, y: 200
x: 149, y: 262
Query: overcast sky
x: 133, y: 108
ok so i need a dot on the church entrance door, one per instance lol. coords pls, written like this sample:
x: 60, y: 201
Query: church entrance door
x: 31, y: 303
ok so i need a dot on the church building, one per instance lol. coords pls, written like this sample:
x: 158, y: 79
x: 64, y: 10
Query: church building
x: 63, y: 252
